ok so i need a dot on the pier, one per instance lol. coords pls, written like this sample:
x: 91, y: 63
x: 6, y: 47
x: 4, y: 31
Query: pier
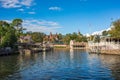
x: 7, y: 51
x: 77, y: 45
x: 107, y: 45
x: 34, y: 47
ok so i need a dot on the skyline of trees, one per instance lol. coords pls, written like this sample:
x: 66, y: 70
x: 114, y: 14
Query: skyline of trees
x: 10, y: 33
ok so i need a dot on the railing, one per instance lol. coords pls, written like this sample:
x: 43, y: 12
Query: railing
x: 77, y: 45
x: 105, y: 45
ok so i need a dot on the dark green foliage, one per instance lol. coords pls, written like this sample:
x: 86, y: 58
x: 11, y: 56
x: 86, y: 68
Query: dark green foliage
x: 104, y: 33
x: 9, y: 32
x: 60, y: 36
x: 9, y: 40
x: 17, y: 22
x: 37, y: 36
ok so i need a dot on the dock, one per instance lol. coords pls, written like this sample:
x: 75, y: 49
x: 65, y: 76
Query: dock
x: 34, y: 47
x: 105, y: 46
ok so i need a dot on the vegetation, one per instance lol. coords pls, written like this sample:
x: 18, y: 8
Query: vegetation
x: 17, y: 24
x: 115, y: 30
x: 96, y: 38
x: 7, y: 34
x: 74, y: 36
x: 105, y: 33
x: 11, y: 32
x: 37, y: 36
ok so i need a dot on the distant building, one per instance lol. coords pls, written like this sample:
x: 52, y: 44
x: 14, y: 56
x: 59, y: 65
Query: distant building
x: 25, y: 39
x: 77, y: 45
x: 51, y: 37
x: 109, y: 45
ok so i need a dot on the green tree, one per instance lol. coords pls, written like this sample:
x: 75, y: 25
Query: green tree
x: 84, y: 39
x: 96, y: 38
x: 3, y: 26
x: 17, y: 24
x: 7, y: 33
x: 9, y: 39
x: 104, y: 33
x: 115, y: 31
x: 60, y: 36
x: 67, y: 38
x: 74, y: 36
x: 37, y: 36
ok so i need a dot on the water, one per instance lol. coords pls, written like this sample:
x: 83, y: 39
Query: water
x: 60, y: 64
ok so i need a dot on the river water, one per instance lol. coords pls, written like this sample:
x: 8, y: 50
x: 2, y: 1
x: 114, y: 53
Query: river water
x: 60, y: 64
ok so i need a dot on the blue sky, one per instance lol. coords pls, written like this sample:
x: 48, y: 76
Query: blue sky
x: 62, y: 16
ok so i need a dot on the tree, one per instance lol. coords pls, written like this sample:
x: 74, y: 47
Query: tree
x: 7, y: 33
x: 74, y: 36
x: 3, y: 26
x: 9, y: 39
x: 17, y: 24
x: 96, y: 38
x: 60, y: 36
x: 37, y: 36
x: 115, y: 31
x: 67, y: 38
x: 104, y: 33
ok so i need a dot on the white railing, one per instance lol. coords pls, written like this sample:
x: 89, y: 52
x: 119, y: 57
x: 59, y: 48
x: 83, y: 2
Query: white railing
x: 105, y: 45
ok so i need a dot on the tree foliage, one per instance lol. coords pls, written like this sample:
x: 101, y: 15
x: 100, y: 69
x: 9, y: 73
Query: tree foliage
x: 9, y: 32
x: 105, y: 33
x: 115, y: 30
x: 96, y: 38
x: 37, y: 36
x: 74, y: 36
x: 17, y: 24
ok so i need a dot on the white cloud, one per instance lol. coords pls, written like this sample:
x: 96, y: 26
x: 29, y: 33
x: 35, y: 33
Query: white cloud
x: 21, y: 10
x: 27, y: 2
x: 41, y: 26
x: 31, y: 13
x: 15, y: 3
x: 10, y: 3
x: 87, y: 35
x: 9, y: 21
x: 99, y: 32
x: 55, y: 8
x: 109, y: 28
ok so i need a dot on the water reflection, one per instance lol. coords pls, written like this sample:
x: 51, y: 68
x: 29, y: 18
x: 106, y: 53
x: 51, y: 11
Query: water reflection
x: 60, y: 64
x: 113, y: 63
x: 8, y: 65
x: 71, y: 54
x: 44, y: 56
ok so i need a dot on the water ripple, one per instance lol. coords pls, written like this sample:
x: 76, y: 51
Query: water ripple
x: 60, y: 65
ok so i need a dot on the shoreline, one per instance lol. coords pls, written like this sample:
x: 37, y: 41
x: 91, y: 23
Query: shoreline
x: 107, y: 52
